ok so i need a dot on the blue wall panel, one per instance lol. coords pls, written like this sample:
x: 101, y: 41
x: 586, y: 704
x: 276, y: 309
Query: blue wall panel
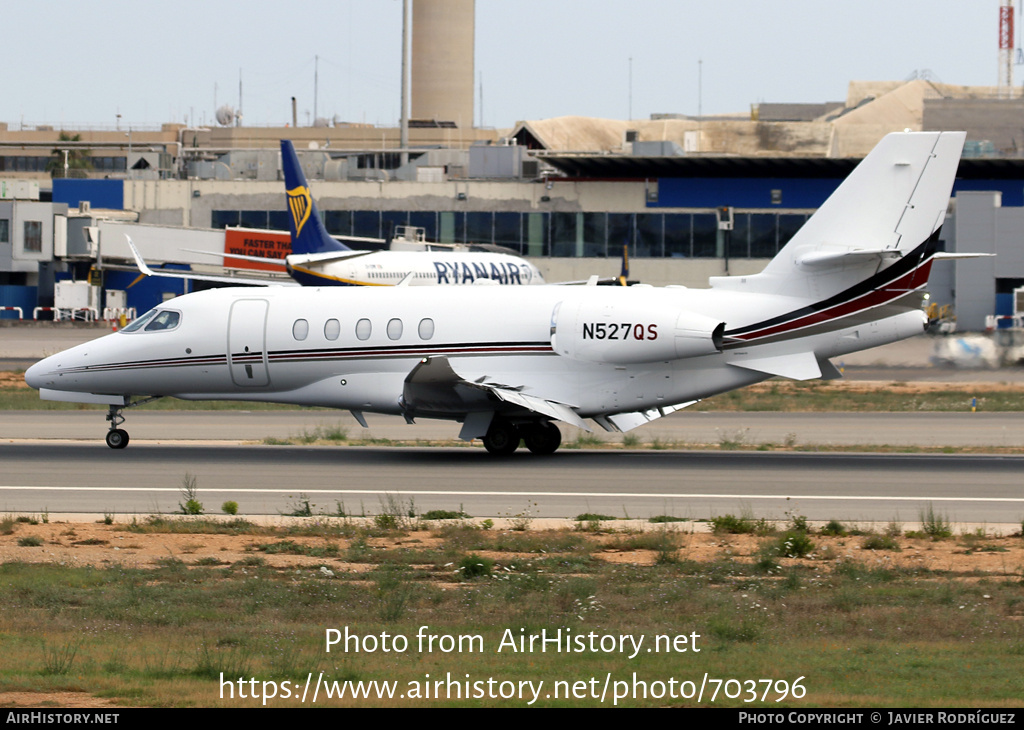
x: 711, y: 192
x: 18, y: 296
x: 99, y: 193
x: 738, y: 192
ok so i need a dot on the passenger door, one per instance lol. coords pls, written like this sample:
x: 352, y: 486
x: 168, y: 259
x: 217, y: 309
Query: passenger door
x: 247, y: 338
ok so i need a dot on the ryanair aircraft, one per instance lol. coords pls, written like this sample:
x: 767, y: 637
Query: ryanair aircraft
x: 318, y: 259
x: 508, y: 366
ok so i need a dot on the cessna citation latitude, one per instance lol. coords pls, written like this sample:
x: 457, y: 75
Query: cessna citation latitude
x: 317, y: 259
x: 507, y: 365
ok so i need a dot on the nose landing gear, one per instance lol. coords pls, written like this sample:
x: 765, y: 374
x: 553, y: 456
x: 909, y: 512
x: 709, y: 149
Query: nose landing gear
x: 117, y: 438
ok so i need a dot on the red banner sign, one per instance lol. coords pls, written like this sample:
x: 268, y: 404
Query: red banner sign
x: 250, y: 242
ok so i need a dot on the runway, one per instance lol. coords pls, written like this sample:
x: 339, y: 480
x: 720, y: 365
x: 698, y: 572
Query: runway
x: 147, y: 478
x: 825, y: 430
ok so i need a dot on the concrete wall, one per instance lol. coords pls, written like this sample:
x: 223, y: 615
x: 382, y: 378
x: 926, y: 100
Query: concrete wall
x: 974, y: 279
x: 656, y: 272
x: 13, y: 256
x: 191, y: 202
x: 994, y: 120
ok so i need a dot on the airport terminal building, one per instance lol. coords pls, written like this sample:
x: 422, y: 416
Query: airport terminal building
x: 571, y: 194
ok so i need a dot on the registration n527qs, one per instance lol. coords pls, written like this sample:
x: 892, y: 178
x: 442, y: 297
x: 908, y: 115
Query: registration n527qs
x: 508, y: 362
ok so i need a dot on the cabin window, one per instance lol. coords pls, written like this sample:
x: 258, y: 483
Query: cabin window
x: 426, y: 329
x: 332, y: 328
x: 363, y: 329
x: 300, y: 330
x: 395, y: 329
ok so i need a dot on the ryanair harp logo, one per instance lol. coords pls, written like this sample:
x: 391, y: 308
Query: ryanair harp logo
x: 300, y: 204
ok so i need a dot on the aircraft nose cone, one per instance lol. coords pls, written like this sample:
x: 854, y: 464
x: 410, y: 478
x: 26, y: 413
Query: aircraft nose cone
x: 39, y: 375
x: 34, y: 375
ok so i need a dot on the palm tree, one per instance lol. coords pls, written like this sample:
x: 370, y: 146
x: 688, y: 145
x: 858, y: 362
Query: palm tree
x: 78, y: 158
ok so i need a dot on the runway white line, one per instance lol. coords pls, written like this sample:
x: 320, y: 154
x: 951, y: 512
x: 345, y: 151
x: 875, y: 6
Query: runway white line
x: 446, y: 493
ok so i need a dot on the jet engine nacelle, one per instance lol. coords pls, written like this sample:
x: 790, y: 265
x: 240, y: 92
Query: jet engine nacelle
x: 624, y: 334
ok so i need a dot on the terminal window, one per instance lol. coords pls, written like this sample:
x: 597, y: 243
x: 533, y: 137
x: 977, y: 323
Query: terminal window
x: 33, y: 237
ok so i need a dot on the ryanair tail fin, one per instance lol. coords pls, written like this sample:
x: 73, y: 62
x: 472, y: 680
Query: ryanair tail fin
x: 308, y: 232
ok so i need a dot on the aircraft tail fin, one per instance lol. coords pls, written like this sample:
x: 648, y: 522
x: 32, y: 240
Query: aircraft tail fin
x: 879, y: 229
x: 308, y: 232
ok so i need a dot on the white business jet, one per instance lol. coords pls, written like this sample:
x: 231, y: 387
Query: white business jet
x: 317, y: 259
x: 508, y: 366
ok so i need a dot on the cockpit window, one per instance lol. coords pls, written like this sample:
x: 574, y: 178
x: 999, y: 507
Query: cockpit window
x: 165, y: 320
x: 155, y: 320
x: 141, y: 322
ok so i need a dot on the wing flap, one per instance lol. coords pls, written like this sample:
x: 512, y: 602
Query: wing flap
x: 622, y: 422
x: 551, y: 409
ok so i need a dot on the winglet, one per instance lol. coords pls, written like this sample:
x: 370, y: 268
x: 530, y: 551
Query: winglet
x: 139, y: 261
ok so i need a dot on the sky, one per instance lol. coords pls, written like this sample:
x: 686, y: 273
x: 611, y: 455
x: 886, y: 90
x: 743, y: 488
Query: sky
x: 81, y: 64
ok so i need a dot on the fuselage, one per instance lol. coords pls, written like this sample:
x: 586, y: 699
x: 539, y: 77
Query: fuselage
x: 440, y: 268
x: 600, y: 350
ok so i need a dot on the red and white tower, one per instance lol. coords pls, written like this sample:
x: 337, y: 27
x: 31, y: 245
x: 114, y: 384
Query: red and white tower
x: 1006, y: 48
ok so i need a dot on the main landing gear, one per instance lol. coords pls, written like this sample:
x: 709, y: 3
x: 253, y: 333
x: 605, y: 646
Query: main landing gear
x: 503, y: 437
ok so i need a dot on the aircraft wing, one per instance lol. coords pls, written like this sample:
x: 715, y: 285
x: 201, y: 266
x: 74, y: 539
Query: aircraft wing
x: 595, y: 280
x: 360, y: 239
x: 295, y: 259
x: 236, y: 280
x: 621, y: 280
x: 433, y: 385
x: 305, y: 259
x: 258, y: 259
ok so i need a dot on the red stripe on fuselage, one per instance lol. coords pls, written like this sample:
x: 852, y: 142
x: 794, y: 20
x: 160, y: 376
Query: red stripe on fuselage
x: 893, y: 290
